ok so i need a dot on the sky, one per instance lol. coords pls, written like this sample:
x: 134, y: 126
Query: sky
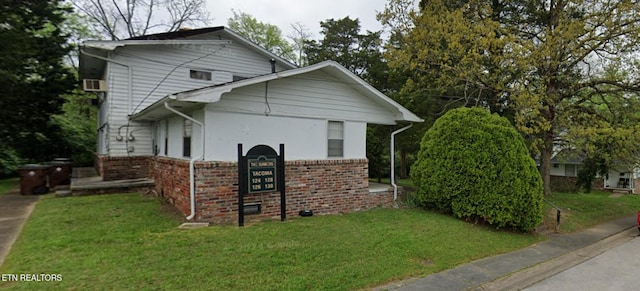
x: 283, y: 13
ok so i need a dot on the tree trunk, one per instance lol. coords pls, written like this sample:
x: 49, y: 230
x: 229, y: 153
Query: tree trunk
x: 545, y: 163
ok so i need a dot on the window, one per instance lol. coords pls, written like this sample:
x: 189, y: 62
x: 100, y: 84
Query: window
x: 186, y: 138
x: 166, y: 138
x: 335, y: 136
x: 570, y: 170
x: 200, y: 75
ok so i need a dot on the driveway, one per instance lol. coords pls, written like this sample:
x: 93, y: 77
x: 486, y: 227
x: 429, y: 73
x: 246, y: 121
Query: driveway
x: 14, y: 212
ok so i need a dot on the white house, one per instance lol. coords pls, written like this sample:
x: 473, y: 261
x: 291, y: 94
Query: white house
x: 174, y: 106
x: 566, y: 165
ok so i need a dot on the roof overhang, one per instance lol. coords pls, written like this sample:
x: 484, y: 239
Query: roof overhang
x: 213, y: 94
x: 94, y: 53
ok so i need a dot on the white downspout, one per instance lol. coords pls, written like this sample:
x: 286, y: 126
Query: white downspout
x: 192, y: 184
x: 130, y: 77
x: 393, y: 158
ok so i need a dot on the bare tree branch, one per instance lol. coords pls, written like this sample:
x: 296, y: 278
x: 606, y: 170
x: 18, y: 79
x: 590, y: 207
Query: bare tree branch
x: 141, y: 17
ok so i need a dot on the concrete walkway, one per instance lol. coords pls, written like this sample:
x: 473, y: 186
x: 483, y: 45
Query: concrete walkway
x: 521, y: 268
x: 14, y: 212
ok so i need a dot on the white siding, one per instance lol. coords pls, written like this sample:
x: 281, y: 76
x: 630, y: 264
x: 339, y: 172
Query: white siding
x: 158, y: 71
x: 304, y: 138
x: 557, y: 169
x: 196, y: 137
x: 355, y: 142
x: 313, y: 95
x: 175, y: 137
x: 616, y: 177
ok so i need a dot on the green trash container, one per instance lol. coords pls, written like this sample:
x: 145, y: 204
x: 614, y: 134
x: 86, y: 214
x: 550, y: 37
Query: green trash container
x: 33, y: 179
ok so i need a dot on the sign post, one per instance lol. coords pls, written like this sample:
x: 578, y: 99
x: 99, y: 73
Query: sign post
x: 261, y: 170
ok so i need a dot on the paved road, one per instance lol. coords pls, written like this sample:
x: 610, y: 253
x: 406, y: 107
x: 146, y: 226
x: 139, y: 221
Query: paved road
x: 616, y: 269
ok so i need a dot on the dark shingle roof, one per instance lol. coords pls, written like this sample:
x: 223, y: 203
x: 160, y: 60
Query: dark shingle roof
x: 183, y: 33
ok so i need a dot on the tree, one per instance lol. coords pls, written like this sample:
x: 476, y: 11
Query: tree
x: 342, y: 42
x: 78, y: 125
x: 33, y: 77
x: 117, y: 19
x: 265, y: 35
x: 483, y: 172
x: 541, y: 62
x: 361, y: 54
x: 299, y: 36
x: 377, y: 152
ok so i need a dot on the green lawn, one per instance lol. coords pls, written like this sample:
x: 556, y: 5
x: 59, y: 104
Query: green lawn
x: 581, y: 210
x: 8, y: 184
x: 129, y: 241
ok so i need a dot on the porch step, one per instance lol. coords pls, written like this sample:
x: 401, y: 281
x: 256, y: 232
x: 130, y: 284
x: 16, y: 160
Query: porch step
x: 93, y: 185
x: 621, y: 191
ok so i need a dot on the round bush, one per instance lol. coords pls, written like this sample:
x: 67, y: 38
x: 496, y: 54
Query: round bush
x: 476, y: 166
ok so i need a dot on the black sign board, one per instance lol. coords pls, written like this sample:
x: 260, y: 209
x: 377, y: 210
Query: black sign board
x: 262, y: 174
x: 261, y: 170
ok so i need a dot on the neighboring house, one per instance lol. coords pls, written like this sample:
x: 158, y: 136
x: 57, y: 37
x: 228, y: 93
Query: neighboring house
x: 174, y: 106
x: 565, y: 166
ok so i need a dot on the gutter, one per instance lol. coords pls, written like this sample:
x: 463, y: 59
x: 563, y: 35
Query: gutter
x: 192, y: 183
x: 393, y: 158
x: 130, y: 77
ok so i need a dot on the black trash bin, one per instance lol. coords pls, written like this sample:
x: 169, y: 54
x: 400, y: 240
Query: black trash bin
x: 33, y: 179
x: 59, y: 172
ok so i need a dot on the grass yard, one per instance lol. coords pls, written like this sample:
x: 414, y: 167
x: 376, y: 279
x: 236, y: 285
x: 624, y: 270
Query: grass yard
x: 584, y: 210
x: 129, y: 241
x: 7, y: 184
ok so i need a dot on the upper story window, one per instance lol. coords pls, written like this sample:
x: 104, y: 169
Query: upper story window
x: 200, y: 75
x: 335, y: 136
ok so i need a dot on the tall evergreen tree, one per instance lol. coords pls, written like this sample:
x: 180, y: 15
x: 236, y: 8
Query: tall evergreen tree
x: 33, y: 76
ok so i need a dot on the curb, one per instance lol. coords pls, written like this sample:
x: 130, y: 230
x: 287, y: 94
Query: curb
x: 531, y: 275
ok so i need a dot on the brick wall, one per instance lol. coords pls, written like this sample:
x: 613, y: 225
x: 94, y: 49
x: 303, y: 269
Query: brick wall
x: 568, y: 184
x: 120, y: 168
x: 324, y: 186
x: 171, y: 177
x: 563, y: 183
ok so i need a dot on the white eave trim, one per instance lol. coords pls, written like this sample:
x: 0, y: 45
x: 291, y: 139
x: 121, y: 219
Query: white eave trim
x: 112, y: 45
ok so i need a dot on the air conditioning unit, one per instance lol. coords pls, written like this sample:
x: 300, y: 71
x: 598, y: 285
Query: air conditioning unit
x: 94, y: 85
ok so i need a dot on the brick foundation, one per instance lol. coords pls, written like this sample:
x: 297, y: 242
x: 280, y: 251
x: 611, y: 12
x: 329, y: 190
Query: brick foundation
x: 568, y: 184
x: 324, y: 186
x: 120, y: 168
x: 563, y: 184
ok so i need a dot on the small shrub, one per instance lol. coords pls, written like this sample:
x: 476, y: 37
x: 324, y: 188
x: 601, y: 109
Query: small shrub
x: 476, y: 166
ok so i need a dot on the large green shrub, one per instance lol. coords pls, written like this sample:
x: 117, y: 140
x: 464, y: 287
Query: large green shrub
x: 476, y: 166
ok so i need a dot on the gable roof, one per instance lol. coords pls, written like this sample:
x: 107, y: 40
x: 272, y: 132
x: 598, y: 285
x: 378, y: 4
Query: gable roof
x: 212, y: 94
x: 568, y: 156
x: 91, y: 67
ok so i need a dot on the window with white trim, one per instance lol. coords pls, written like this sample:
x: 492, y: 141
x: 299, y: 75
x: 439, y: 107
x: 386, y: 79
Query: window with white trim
x: 335, y: 139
